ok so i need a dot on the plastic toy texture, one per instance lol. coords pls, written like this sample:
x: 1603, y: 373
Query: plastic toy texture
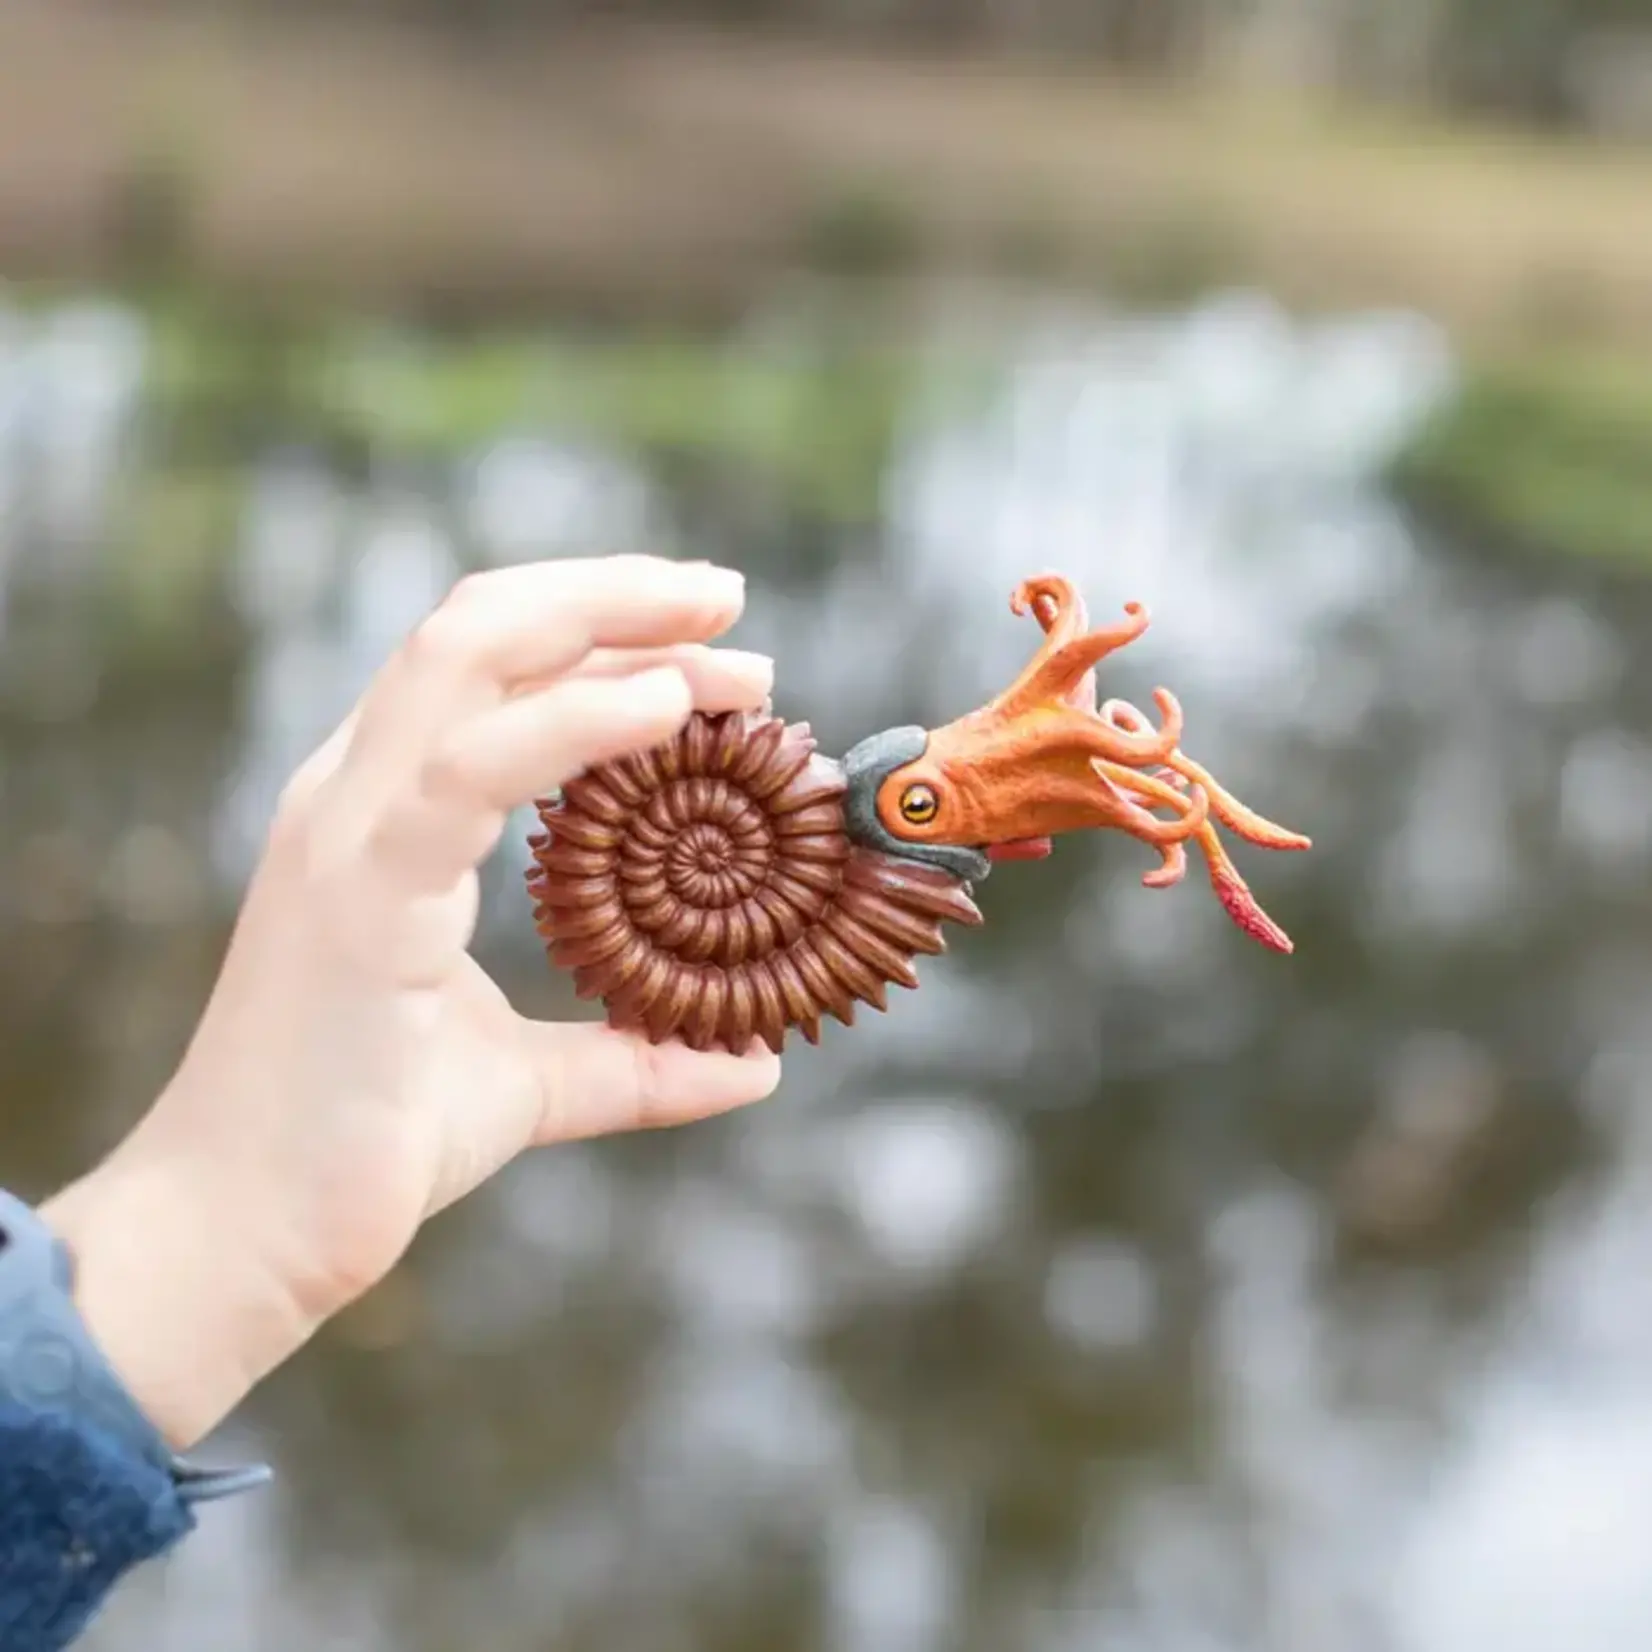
x: 735, y: 883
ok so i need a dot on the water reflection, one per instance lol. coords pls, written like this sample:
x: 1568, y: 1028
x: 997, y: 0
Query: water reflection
x: 1125, y: 1286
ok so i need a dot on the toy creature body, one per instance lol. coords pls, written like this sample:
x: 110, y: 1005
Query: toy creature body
x: 735, y: 883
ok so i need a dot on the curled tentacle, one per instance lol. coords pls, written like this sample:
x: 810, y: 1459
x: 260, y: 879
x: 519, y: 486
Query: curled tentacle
x: 1062, y: 672
x: 1233, y: 814
x: 1063, y: 668
x: 1056, y: 604
x: 1231, y: 889
x: 1067, y: 728
x: 1171, y: 869
x: 1191, y: 807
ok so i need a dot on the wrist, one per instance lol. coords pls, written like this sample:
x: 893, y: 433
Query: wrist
x: 188, y: 1321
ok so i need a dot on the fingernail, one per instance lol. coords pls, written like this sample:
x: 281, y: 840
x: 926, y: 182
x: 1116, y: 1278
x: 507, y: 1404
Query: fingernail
x: 755, y: 669
x: 724, y: 586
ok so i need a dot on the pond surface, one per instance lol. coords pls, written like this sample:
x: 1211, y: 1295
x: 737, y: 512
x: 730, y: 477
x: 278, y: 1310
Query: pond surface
x: 1127, y: 1286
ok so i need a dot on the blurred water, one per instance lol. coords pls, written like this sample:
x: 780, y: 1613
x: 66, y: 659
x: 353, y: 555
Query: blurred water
x: 1126, y: 1286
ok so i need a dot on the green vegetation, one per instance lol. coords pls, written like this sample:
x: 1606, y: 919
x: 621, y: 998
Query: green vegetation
x: 807, y: 416
x: 817, y: 425
x: 812, y: 414
x: 1549, y: 448
x: 863, y: 228
x: 1550, y: 451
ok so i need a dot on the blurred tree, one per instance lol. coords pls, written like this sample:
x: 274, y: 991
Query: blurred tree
x: 1509, y: 57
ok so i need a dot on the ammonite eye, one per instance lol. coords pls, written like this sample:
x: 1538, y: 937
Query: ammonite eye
x: 919, y: 805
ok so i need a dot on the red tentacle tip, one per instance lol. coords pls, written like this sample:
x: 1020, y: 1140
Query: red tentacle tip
x: 1241, y: 905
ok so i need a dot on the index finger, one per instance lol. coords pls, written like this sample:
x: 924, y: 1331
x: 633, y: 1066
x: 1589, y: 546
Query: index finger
x: 529, y: 623
x: 538, y: 619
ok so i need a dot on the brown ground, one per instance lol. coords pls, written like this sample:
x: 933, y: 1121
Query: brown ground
x: 652, y: 166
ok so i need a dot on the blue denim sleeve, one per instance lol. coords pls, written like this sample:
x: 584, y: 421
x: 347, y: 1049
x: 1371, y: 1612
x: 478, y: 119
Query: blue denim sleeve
x: 77, y: 1512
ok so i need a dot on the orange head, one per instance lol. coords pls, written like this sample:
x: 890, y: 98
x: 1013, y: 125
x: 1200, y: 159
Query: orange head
x: 1043, y: 758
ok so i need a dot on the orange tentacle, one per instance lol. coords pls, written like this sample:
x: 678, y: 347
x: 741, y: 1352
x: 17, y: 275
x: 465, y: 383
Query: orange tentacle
x: 1236, y: 897
x: 1233, y: 814
x: 1057, y: 672
x: 1056, y: 604
x: 1063, y: 666
x: 1171, y: 871
x: 1192, y: 807
x: 1162, y: 834
x: 1139, y: 750
x: 1044, y: 758
x: 1224, y: 805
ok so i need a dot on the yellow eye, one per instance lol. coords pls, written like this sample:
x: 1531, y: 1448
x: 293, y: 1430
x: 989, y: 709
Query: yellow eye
x: 919, y: 805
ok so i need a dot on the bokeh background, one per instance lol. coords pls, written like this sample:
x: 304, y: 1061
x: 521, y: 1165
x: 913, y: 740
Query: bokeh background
x: 1126, y: 1287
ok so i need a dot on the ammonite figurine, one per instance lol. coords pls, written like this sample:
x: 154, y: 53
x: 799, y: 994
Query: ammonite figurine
x: 734, y: 883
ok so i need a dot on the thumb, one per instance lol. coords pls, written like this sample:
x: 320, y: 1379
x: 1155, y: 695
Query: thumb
x: 596, y: 1081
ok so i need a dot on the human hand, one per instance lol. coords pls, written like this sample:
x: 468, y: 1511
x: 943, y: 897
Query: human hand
x: 356, y: 1070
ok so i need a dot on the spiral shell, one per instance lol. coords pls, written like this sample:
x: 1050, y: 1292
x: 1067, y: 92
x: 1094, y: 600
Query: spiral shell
x: 708, y: 890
